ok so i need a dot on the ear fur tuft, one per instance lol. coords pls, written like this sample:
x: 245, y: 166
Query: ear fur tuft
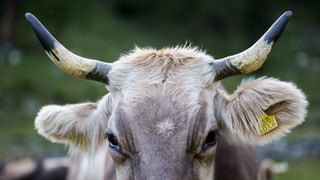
x: 81, y: 126
x: 240, y: 114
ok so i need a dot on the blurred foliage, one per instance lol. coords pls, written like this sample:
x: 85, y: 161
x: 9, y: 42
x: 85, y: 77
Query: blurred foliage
x: 103, y: 29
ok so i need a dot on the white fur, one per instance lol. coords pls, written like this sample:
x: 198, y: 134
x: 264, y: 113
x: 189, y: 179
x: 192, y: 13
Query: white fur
x: 90, y: 167
x: 241, y: 112
x: 185, y: 74
x: 80, y: 127
x: 166, y: 127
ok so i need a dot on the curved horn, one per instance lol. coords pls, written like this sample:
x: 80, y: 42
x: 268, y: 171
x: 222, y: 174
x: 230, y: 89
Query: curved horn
x: 252, y: 58
x: 65, y: 59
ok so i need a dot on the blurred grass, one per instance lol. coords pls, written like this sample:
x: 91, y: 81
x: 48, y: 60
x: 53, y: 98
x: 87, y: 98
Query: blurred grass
x: 307, y: 169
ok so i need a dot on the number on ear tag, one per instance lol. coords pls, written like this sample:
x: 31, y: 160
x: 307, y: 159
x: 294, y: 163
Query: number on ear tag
x: 268, y: 123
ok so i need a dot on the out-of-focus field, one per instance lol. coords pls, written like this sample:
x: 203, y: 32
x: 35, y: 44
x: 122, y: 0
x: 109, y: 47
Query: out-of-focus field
x: 304, y: 170
x: 29, y: 80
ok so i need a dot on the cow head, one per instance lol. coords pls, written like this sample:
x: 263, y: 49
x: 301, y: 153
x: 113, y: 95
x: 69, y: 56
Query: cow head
x: 165, y: 108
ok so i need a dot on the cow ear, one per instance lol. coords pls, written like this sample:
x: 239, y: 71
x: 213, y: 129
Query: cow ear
x: 81, y: 126
x: 260, y: 110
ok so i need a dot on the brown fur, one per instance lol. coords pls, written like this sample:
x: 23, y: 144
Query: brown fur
x: 235, y: 162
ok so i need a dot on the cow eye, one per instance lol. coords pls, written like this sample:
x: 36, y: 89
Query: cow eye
x: 210, y: 140
x: 113, y: 141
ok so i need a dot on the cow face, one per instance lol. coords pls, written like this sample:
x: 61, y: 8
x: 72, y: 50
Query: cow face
x: 165, y: 108
x: 171, y: 125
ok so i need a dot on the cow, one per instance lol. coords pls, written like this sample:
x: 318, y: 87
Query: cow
x: 166, y: 114
x: 268, y: 168
x: 36, y: 168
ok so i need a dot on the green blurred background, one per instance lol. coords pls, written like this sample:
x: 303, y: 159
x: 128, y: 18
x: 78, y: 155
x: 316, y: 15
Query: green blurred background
x: 103, y: 29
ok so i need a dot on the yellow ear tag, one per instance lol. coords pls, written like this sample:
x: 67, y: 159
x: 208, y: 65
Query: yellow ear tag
x: 80, y: 143
x: 268, y: 123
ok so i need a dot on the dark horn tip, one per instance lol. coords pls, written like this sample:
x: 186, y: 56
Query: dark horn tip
x: 275, y: 31
x: 27, y: 15
x: 46, y: 39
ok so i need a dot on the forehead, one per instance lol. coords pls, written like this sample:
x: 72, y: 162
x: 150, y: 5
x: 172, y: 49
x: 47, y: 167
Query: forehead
x: 152, y: 120
x: 162, y: 93
x: 180, y: 66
